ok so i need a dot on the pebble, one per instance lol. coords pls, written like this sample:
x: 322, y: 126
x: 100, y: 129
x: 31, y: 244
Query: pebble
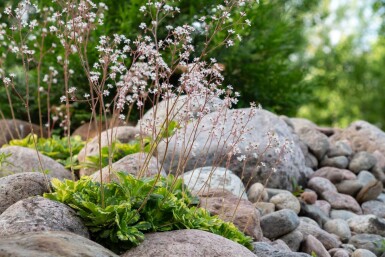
x: 362, y: 161
x: 279, y: 223
x: 340, y: 228
x: 286, y: 201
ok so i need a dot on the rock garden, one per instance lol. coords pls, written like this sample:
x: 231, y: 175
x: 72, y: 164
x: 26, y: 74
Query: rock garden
x: 322, y: 197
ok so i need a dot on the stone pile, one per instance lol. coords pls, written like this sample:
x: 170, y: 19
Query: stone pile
x: 324, y: 198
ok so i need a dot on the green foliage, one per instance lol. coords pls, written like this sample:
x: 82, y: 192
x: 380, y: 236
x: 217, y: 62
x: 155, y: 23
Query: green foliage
x: 297, y: 189
x: 4, y: 162
x: 380, y: 245
x: 135, y: 206
x: 313, y: 254
x: 55, y: 147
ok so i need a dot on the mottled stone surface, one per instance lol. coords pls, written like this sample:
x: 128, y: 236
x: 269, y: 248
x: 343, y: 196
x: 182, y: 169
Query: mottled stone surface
x: 340, y: 228
x: 279, y: 223
x: 207, y: 178
x: 363, y: 136
x: 215, y: 150
x: 341, y: 201
x: 262, y: 249
x: 257, y: 193
x: 313, y: 245
x: 51, y: 243
x: 374, y: 207
x: 362, y: 161
x: 20, y: 186
x: 286, y: 201
x: 230, y: 208
x: 188, y: 242
x: 340, y: 162
x: 367, y: 241
x: 367, y: 224
x: 317, y: 142
x: 328, y: 240
x: 24, y: 159
x: 320, y: 184
x: 39, y: 214
x: 293, y: 240
x: 333, y: 174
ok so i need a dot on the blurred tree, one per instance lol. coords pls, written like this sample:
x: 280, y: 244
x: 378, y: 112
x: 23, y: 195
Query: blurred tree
x: 347, y: 74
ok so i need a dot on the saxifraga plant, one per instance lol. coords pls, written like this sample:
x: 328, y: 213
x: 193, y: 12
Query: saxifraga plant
x: 135, y: 72
x: 135, y: 206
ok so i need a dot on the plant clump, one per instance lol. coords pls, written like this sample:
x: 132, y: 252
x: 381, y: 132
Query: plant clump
x: 134, y: 206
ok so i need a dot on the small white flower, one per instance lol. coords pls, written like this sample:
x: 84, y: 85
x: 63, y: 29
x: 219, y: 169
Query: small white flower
x: 86, y: 95
x: 241, y: 158
x: 142, y: 25
x: 63, y: 99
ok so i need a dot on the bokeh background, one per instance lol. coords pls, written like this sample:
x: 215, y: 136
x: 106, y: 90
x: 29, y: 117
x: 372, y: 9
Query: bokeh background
x: 322, y: 60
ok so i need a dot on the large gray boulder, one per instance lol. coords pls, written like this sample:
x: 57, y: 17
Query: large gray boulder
x: 20, y: 186
x: 39, y: 214
x: 24, y: 159
x: 51, y: 243
x: 187, y: 242
x: 225, y: 139
x: 181, y: 109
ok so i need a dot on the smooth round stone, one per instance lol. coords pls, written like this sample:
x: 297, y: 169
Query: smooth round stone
x: 257, y: 193
x: 313, y: 245
x: 320, y: 184
x: 367, y: 241
x: 308, y: 220
x: 340, y: 162
x: 309, y: 196
x: 370, y: 191
x: 365, y: 177
x: 349, y: 187
x: 342, y: 214
x: 279, y: 223
x: 362, y: 161
x: 40, y: 214
x: 328, y: 240
x: 340, y: 148
x: 363, y: 253
x: 51, y: 244
x: 374, y: 207
x: 293, y: 240
x: 286, y: 201
x: 324, y: 206
x: 206, y: 178
x: 342, y: 201
x: 20, y: 186
x: 338, y: 227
